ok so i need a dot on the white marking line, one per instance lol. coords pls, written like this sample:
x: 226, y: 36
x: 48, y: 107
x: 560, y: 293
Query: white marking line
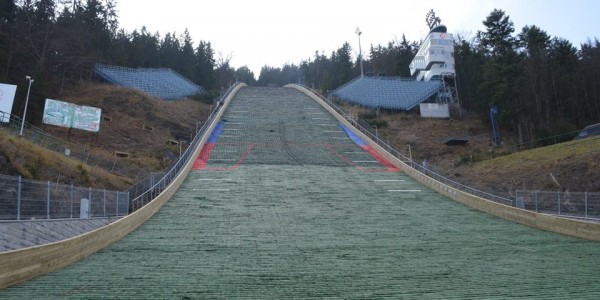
x: 231, y: 123
x: 390, y: 180
x: 214, y: 179
x: 321, y: 119
x: 239, y: 111
x: 405, y: 191
x: 334, y: 131
x: 232, y: 129
x: 317, y: 113
x: 365, y: 161
x: 222, y: 159
x: 211, y: 190
x: 327, y: 125
x: 339, y: 138
x: 230, y: 136
x: 354, y: 152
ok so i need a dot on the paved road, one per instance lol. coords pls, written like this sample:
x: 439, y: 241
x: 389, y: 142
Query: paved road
x: 341, y: 227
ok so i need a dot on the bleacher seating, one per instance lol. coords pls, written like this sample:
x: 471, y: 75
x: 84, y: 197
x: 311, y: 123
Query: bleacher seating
x: 387, y: 92
x: 163, y: 83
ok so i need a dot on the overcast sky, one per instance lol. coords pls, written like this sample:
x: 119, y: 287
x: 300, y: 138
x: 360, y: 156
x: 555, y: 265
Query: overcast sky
x: 270, y: 32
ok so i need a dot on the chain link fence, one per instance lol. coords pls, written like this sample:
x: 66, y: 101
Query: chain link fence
x: 565, y: 204
x: 22, y: 199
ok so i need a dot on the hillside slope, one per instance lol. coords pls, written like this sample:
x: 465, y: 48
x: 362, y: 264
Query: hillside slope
x: 571, y: 166
x: 148, y: 130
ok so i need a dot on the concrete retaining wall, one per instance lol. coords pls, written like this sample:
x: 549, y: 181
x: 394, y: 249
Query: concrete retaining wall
x: 20, y: 265
x: 572, y: 227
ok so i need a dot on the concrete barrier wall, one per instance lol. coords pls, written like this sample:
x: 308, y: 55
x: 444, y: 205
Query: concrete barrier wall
x: 23, y: 264
x: 572, y: 227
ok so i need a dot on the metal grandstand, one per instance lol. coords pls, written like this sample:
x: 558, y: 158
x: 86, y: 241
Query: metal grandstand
x: 162, y: 83
x: 387, y: 92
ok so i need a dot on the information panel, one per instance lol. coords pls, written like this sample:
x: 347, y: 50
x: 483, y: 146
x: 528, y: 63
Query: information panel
x: 58, y: 113
x: 87, y: 118
x: 69, y: 115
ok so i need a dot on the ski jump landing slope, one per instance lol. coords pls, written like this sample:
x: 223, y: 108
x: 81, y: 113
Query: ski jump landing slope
x: 282, y: 202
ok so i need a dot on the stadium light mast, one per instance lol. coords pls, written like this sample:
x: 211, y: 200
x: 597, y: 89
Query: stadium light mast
x: 26, y: 102
x: 358, y: 32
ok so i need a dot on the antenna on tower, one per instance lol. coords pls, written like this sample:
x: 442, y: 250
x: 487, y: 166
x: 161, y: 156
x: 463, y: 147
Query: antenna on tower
x: 432, y: 20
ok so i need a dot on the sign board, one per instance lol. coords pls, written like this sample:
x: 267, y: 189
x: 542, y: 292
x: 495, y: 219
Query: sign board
x: 69, y: 115
x: 87, y: 118
x: 7, y: 97
x: 434, y: 110
x: 58, y: 113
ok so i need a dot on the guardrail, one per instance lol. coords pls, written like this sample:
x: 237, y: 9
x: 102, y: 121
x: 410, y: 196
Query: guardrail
x: 585, y: 206
x: 423, y: 168
x: 156, y: 184
x: 510, y: 211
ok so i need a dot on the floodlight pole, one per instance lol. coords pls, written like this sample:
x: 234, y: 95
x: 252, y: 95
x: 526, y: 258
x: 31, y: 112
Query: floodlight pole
x: 358, y: 32
x: 26, y: 102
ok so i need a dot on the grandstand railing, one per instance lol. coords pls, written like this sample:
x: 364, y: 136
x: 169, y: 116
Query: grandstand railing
x: 22, y: 199
x: 145, y: 191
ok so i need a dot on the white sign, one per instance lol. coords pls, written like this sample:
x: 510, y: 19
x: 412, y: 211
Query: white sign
x: 7, y: 97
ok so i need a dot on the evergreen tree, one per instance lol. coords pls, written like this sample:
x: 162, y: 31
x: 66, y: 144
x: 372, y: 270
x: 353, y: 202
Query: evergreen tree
x: 501, y: 70
x: 205, y: 65
x: 243, y: 74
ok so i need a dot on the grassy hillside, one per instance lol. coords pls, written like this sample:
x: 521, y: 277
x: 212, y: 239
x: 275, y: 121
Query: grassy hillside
x: 571, y: 166
x: 146, y: 128
x: 18, y: 156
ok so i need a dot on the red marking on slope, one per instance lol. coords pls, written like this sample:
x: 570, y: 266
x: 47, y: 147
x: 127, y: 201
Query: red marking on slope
x: 202, y: 159
x: 389, y: 167
x: 386, y: 163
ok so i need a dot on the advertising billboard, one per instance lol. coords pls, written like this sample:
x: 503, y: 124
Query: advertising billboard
x: 7, y: 97
x: 69, y: 115
x: 87, y: 118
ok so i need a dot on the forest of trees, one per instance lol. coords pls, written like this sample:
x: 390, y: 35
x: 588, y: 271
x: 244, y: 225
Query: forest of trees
x: 542, y: 85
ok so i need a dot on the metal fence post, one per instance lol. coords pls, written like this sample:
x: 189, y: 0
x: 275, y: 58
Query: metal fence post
x: 90, y: 198
x: 19, y: 199
x: 71, y: 201
x: 104, y: 203
x: 536, y: 201
x: 48, y: 202
x: 586, y: 205
x: 558, y: 199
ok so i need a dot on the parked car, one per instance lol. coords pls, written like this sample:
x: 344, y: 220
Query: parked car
x: 592, y: 130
